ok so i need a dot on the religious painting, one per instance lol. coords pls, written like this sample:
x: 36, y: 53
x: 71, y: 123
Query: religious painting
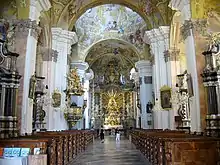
x: 190, y: 85
x: 56, y: 96
x: 32, y: 87
x: 165, y: 94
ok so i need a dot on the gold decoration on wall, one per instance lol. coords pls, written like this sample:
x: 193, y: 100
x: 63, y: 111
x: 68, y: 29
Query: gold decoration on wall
x: 74, y: 85
x: 56, y: 96
x: 165, y: 96
x: 200, y: 9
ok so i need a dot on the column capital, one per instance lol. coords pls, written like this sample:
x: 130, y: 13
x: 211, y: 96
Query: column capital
x: 158, y: 34
x: 165, y: 31
x: 144, y: 67
x: 38, y: 6
x: 64, y: 36
x: 171, y: 55
x: 22, y: 27
x: 48, y: 54
x: 149, y: 37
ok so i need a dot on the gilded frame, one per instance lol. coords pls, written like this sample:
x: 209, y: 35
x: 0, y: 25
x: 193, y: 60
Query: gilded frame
x: 165, y: 96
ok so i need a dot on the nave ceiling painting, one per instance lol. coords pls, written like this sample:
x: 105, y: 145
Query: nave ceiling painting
x: 110, y: 21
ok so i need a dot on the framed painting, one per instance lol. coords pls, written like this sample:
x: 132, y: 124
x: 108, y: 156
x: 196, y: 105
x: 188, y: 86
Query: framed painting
x: 165, y: 96
x: 32, y: 87
x: 190, y: 85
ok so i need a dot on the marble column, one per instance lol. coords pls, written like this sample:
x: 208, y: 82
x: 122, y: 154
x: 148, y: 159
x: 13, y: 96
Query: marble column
x: 81, y: 68
x: 145, y: 76
x: 49, y: 57
x: 61, y: 42
x: 187, y: 35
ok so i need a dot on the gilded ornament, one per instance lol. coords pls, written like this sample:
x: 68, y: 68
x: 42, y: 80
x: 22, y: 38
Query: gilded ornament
x: 56, y: 96
x: 74, y: 84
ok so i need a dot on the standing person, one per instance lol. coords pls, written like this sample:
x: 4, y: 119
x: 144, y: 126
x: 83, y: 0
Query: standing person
x: 117, y: 135
x: 102, y: 136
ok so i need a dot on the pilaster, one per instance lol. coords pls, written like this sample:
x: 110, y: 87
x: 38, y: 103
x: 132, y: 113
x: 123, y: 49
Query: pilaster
x: 61, y: 42
x: 187, y: 33
x: 145, y: 81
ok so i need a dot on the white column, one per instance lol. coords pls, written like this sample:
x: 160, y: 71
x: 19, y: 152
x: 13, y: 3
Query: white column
x: 173, y: 69
x: 81, y: 68
x: 62, y: 41
x: 160, y: 59
x: 49, y: 57
x: 145, y: 74
x: 88, y: 76
x: 184, y: 7
x: 36, y: 7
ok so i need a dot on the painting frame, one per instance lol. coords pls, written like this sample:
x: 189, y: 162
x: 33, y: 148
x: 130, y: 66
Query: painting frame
x: 32, y: 87
x: 190, y: 85
x: 165, y: 96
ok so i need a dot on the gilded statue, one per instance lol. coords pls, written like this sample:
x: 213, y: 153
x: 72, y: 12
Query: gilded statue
x: 74, y: 84
x: 56, y: 96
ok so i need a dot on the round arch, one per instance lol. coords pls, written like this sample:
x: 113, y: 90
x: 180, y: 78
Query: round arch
x: 135, y: 6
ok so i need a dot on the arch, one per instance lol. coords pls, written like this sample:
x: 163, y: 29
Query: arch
x: 138, y: 7
x: 108, y: 39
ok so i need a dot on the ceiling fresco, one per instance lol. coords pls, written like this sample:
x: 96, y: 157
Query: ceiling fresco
x: 154, y: 12
x: 110, y: 21
x: 111, y: 61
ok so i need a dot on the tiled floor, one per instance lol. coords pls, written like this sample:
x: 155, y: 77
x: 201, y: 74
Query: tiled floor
x: 111, y: 153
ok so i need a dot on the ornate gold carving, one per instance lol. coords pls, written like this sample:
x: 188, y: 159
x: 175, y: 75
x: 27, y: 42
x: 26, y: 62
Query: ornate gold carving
x: 56, y: 96
x: 74, y: 85
x: 199, y: 26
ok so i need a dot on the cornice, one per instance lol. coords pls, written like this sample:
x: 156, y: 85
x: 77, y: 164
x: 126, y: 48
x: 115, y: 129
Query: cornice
x: 80, y: 65
x: 64, y: 36
x: 144, y: 67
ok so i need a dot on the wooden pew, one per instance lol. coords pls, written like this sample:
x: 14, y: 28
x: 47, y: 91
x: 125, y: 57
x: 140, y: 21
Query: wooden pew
x: 176, y: 147
x: 60, y: 146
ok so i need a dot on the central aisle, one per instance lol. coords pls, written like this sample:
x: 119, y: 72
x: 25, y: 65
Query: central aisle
x: 111, y: 153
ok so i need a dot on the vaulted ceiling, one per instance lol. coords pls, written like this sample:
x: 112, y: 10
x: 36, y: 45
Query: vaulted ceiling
x: 107, y: 22
x: 154, y: 12
x: 110, y: 50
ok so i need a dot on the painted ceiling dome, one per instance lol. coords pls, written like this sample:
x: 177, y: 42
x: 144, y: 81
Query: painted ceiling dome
x: 110, y: 21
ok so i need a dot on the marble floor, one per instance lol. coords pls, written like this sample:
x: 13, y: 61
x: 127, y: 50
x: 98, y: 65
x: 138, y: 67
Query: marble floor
x: 111, y: 153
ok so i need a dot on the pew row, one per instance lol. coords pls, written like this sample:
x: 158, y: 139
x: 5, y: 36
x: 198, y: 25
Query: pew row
x: 61, y: 147
x: 173, y: 147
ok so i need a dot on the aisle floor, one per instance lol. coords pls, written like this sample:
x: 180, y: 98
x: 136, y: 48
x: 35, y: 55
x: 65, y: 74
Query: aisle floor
x: 111, y: 153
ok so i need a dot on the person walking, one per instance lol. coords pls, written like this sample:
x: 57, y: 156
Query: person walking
x: 102, y: 136
x: 117, y: 135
